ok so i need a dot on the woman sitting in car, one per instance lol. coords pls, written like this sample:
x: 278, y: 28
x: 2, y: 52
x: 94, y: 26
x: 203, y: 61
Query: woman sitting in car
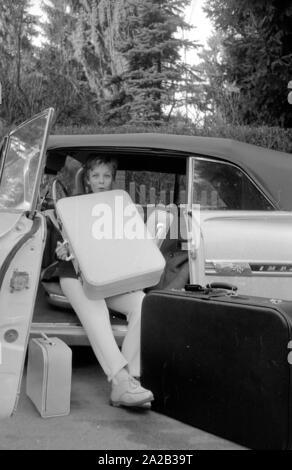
x: 122, y: 368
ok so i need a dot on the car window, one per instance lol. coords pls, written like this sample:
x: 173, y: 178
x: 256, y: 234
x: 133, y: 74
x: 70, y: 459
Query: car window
x: 151, y: 187
x: 66, y: 175
x: 223, y: 186
x: 22, y: 163
x: 144, y: 187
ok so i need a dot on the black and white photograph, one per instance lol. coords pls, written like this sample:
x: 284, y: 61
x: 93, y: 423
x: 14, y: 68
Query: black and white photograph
x: 145, y: 228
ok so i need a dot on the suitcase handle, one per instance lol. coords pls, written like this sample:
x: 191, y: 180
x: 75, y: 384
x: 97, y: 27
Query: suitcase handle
x: 47, y: 339
x: 194, y: 288
x: 214, y: 288
x: 222, y: 285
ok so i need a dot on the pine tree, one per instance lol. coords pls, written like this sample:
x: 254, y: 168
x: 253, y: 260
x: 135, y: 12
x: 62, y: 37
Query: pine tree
x: 156, y: 77
x: 130, y: 53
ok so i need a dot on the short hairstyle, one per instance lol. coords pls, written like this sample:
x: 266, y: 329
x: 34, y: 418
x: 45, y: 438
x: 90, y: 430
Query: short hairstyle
x: 94, y: 160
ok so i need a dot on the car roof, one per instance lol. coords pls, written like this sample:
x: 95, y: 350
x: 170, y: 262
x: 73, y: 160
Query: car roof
x: 272, y: 169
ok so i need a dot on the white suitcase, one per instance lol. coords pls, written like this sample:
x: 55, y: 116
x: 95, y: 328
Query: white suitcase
x: 112, y: 249
x: 49, y: 372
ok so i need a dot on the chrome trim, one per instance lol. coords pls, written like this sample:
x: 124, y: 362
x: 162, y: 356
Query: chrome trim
x: 254, y: 274
x: 73, y: 328
x: 189, y: 181
x: 210, y: 268
x: 266, y: 262
x: 50, y: 115
x: 33, y: 118
x: 4, y: 151
x: 56, y: 299
x: 271, y: 274
x: 187, y: 214
x: 73, y: 334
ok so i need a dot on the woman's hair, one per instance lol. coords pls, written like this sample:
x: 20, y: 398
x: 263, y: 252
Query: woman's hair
x: 94, y: 160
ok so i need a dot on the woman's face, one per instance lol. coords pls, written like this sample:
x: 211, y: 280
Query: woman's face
x: 100, y: 178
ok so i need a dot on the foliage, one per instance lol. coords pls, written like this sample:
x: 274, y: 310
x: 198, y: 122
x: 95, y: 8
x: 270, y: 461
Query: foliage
x: 63, y: 83
x: 102, y: 61
x: 155, y: 78
x: 217, y: 97
x: 17, y: 28
x: 256, y: 56
x: 112, y: 62
x: 275, y: 138
x: 130, y: 55
x: 94, y: 39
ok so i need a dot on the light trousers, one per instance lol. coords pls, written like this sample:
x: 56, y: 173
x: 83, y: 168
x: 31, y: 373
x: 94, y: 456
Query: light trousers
x: 94, y: 316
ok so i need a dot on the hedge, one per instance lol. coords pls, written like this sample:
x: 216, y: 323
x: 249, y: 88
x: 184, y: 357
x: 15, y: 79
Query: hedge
x: 275, y: 138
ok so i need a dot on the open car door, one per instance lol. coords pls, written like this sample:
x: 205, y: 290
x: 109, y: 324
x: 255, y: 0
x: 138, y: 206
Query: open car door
x: 22, y: 238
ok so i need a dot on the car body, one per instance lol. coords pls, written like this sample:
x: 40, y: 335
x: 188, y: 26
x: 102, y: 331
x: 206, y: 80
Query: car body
x: 231, y: 203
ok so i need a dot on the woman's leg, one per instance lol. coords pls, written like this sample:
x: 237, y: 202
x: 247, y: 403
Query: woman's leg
x: 130, y: 304
x: 94, y: 317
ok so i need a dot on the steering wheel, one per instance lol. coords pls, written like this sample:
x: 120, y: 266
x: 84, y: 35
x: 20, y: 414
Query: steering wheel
x: 58, y: 192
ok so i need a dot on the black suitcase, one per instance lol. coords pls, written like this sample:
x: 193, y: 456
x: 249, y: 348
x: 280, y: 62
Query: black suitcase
x: 220, y: 363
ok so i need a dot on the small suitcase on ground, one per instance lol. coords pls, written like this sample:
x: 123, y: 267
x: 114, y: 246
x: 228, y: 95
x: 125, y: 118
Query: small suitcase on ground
x: 112, y: 249
x: 48, y: 381
x: 221, y: 363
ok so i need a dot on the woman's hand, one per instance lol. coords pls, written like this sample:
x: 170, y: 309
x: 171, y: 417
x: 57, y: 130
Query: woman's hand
x: 62, y: 251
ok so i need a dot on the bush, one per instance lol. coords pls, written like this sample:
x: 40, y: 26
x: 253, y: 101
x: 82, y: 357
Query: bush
x: 275, y: 138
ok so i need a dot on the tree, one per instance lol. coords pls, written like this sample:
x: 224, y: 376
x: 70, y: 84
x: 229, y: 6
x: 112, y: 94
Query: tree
x: 155, y: 77
x: 94, y: 39
x: 257, y: 55
x: 218, y: 98
x: 61, y: 77
x: 17, y: 28
x: 130, y: 54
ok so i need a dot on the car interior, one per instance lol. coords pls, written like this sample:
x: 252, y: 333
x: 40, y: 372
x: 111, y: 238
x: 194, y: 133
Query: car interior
x: 151, y: 177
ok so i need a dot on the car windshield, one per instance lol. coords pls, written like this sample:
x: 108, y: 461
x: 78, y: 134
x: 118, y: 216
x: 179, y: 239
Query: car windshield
x: 21, y: 165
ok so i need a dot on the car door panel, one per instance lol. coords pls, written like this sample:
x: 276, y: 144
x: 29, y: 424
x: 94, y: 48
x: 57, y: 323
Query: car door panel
x: 22, y: 240
x: 243, y: 244
x: 18, y: 281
